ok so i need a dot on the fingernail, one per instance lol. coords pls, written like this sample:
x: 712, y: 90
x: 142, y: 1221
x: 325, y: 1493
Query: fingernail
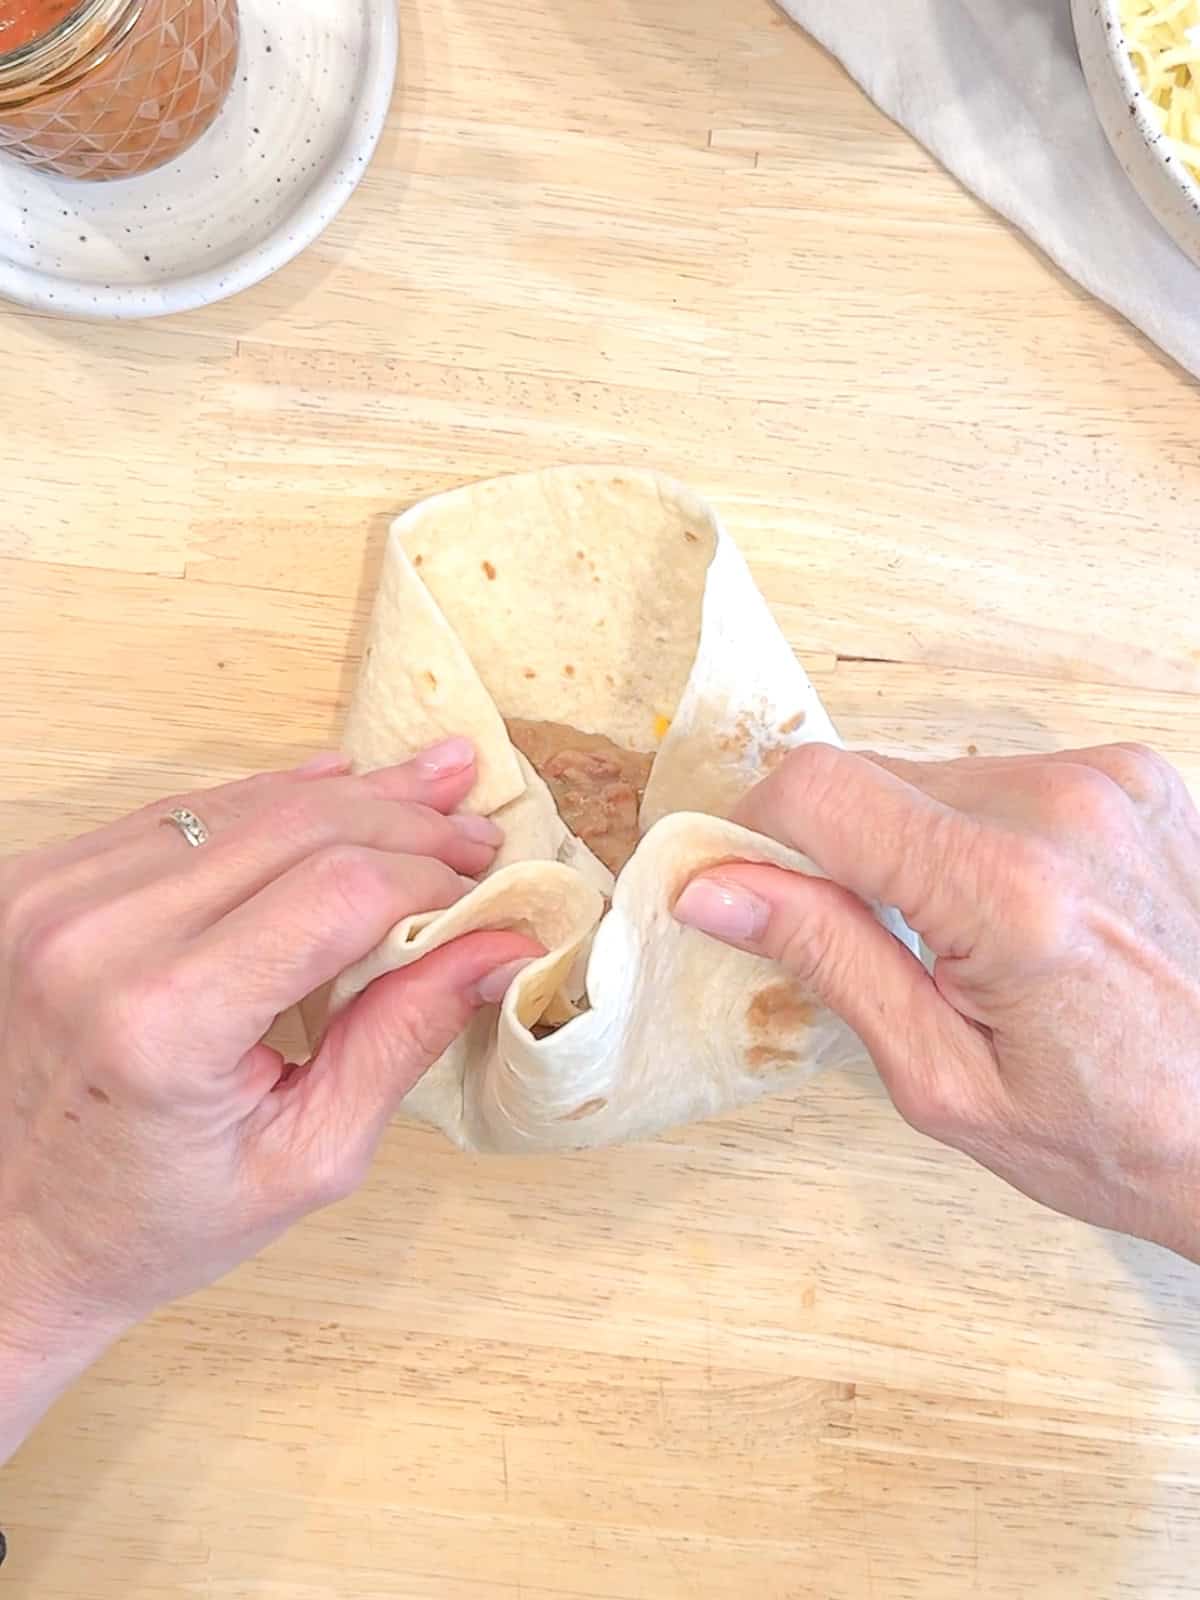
x: 724, y: 910
x: 446, y: 759
x: 492, y: 989
x: 480, y: 830
x: 320, y: 766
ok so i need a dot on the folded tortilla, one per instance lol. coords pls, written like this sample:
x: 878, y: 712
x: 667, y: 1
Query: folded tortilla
x: 610, y: 604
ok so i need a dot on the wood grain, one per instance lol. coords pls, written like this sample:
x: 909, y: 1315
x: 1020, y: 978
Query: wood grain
x: 801, y: 1354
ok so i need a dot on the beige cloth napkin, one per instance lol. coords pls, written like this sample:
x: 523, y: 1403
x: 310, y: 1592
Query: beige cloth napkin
x: 993, y: 88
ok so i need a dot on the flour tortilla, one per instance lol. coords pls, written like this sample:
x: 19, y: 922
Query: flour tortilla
x: 612, y: 602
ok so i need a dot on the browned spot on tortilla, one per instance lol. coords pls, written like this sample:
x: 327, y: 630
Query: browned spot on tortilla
x: 609, y: 679
x: 418, y: 561
x: 794, y: 724
x: 530, y: 673
x: 739, y: 739
x: 431, y: 680
x: 580, y: 555
x: 765, y: 1058
x: 71, y: 1116
x: 569, y: 670
x: 489, y: 572
x: 779, y: 1008
x: 589, y: 1108
x: 692, y: 538
x: 750, y: 735
x: 98, y: 1094
x: 972, y: 749
x: 597, y: 786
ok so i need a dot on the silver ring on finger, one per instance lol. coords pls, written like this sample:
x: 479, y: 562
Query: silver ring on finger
x: 189, y: 825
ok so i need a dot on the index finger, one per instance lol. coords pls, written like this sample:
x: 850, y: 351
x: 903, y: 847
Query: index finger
x: 305, y: 928
x: 878, y: 836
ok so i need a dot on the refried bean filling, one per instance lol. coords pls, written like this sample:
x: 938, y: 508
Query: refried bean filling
x: 597, y: 786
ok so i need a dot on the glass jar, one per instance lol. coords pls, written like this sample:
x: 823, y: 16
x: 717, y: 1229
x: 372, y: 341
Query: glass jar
x: 104, y: 89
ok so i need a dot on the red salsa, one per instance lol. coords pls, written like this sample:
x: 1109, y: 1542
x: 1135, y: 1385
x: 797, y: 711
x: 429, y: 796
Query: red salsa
x: 23, y: 21
x: 144, y: 93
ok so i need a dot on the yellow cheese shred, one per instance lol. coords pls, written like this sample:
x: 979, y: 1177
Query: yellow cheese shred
x: 1164, y: 44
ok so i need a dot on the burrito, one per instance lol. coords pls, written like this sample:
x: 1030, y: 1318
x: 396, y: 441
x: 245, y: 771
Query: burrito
x: 599, y: 637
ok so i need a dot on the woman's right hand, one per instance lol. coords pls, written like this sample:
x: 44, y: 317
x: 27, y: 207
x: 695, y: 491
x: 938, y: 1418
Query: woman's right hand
x: 1058, y: 1038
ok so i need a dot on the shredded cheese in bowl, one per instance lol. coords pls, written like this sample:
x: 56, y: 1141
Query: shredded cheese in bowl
x: 1164, y: 43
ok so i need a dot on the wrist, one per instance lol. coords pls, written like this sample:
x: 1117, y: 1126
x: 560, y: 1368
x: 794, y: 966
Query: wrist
x: 48, y: 1339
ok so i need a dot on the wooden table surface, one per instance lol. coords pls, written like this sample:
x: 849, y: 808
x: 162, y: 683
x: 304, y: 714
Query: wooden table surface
x: 801, y: 1354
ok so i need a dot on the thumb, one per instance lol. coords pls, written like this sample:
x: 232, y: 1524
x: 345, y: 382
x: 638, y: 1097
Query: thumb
x: 828, y: 938
x: 326, y: 1118
x: 388, y: 1038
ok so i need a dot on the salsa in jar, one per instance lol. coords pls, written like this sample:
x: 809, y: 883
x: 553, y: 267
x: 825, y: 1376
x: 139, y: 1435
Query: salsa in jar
x: 102, y: 89
x: 23, y: 21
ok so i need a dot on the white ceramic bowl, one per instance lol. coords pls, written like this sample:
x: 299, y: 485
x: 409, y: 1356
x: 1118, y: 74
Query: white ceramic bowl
x: 1162, y: 180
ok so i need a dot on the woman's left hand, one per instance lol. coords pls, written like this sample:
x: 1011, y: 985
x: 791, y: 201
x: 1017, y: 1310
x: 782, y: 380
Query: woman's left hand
x: 149, y: 1141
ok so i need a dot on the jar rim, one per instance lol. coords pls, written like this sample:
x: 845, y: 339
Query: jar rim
x: 55, y: 56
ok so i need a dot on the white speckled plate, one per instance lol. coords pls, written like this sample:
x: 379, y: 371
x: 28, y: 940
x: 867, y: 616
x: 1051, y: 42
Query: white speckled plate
x: 310, y: 100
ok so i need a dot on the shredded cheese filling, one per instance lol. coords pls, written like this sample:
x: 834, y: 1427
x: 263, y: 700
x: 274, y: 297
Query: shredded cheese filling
x: 1164, y: 43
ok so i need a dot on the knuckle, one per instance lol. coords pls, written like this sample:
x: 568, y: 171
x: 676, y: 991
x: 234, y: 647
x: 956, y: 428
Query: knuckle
x: 1145, y: 776
x: 352, y: 877
x: 807, y: 779
x: 439, y: 884
x: 1082, y: 800
x: 936, y: 1096
x: 55, y: 949
x: 419, y: 1037
x: 23, y: 908
x: 936, y: 1107
x: 357, y: 881
x: 131, y: 1030
x: 810, y: 953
